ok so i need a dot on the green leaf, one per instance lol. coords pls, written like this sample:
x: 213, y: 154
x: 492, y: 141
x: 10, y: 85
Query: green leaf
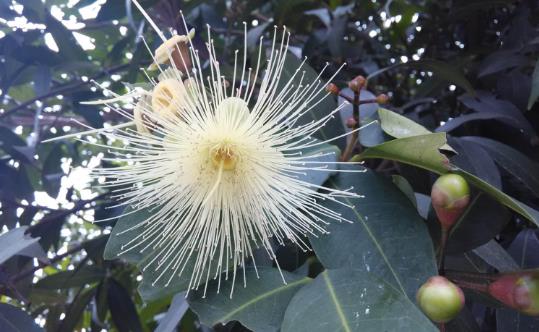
x: 122, y: 309
x: 13, y: 319
x: 422, y: 151
x: 386, y: 235
x: 534, y: 94
x: 16, y: 242
x: 350, y: 300
x: 512, y: 160
x: 400, y: 126
x: 64, y: 38
x: 52, y: 171
x: 321, y: 153
x: 260, y: 306
x: 74, y: 313
x: 87, y: 274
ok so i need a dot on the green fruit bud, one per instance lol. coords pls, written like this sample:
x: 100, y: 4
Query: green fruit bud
x: 519, y: 291
x: 440, y: 299
x: 450, y: 196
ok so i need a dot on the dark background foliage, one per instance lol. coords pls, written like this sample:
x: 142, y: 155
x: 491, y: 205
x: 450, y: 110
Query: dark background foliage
x: 468, y: 68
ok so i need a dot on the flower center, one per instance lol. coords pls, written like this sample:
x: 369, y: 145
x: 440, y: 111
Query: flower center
x: 223, y: 155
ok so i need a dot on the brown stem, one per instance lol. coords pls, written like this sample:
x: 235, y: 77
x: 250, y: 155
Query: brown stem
x: 481, y: 288
x: 355, y: 135
x: 65, y: 88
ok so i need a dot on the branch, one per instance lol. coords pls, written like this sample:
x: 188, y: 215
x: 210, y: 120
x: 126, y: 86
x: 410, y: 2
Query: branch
x: 66, y: 88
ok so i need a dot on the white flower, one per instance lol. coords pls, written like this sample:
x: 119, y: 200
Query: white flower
x: 221, y: 163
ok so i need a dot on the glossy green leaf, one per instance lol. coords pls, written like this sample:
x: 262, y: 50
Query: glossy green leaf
x: 422, y: 151
x: 349, y: 301
x: 400, y: 126
x: 122, y: 309
x: 260, y: 306
x: 386, y: 236
x: 76, y: 309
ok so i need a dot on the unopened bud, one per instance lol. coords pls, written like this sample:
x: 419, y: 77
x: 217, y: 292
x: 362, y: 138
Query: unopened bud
x: 175, y: 48
x: 357, y: 83
x: 351, y: 122
x: 519, y: 291
x: 450, y: 196
x: 382, y: 99
x: 440, y: 299
x: 333, y: 89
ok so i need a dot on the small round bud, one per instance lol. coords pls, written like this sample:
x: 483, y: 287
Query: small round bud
x: 354, y: 86
x: 357, y: 83
x: 518, y: 291
x: 360, y: 80
x: 440, y: 299
x: 351, y: 122
x: 450, y: 196
x: 382, y: 99
x: 333, y: 89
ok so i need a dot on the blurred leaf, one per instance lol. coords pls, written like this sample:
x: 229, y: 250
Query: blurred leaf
x: 52, y: 170
x: 68, y: 45
x: 260, y: 306
x: 178, y: 307
x: 386, y: 236
x: 75, y: 310
x: 535, y: 86
x: 350, y: 300
x: 512, y: 160
x: 13, y: 319
x: 42, y: 79
x: 84, y: 275
x: 16, y: 242
x: 422, y: 151
x: 122, y: 309
x: 499, y: 61
x: 496, y: 256
x: 490, y: 107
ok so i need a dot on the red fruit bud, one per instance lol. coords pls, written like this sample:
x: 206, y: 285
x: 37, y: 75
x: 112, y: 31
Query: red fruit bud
x: 450, y: 196
x: 440, y: 299
x: 333, y: 89
x: 382, y: 99
x: 351, y: 123
x: 518, y: 291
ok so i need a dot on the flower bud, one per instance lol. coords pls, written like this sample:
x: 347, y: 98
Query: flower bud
x: 440, y: 299
x: 175, y: 48
x: 351, y: 122
x: 382, y: 99
x: 450, y: 196
x: 167, y: 97
x: 357, y: 83
x: 333, y: 89
x: 518, y: 291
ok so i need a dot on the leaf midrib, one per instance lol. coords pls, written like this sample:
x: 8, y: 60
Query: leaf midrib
x: 376, y: 243
x: 261, y: 297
